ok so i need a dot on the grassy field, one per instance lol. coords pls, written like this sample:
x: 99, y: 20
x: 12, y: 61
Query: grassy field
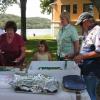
x: 31, y: 46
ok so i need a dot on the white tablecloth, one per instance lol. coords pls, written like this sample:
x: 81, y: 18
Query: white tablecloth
x: 72, y: 69
x: 10, y: 94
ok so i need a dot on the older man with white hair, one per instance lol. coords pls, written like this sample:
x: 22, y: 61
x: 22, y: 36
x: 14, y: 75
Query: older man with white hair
x: 89, y: 57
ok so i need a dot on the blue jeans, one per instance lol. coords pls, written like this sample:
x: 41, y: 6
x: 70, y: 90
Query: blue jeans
x: 91, y: 82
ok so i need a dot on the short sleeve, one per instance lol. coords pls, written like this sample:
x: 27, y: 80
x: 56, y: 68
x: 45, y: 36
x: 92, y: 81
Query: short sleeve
x: 20, y: 40
x: 22, y: 43
x: 97, y: 41
x: 74, y: 34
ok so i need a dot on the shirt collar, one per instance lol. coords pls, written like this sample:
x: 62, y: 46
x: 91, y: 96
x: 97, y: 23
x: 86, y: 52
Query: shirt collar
x: 66, y: 26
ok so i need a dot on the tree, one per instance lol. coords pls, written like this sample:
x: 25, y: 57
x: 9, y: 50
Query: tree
x: 97, y: 5
x: 5, y: 3
x: 45, y: 6
x: 23, y: 18
x: 22, y: 3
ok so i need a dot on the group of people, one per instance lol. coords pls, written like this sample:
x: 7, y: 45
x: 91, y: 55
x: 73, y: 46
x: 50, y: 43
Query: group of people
x: 12, y: 48
x: 87, y: 56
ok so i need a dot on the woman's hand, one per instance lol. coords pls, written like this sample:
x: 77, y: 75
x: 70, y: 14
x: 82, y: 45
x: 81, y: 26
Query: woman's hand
x: 17, y: 60
x: 69, y: 57
x: 1, y: 52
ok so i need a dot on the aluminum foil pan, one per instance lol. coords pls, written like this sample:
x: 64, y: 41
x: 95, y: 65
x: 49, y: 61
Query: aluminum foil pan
x: 37, y: 83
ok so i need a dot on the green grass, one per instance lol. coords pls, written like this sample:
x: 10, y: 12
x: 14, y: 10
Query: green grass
x: 31, y: 46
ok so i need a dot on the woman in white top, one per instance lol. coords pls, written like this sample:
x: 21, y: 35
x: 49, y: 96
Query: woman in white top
x: 42, y: 53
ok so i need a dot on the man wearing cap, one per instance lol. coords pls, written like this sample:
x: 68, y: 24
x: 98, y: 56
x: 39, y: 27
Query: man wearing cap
x: 89, y: 57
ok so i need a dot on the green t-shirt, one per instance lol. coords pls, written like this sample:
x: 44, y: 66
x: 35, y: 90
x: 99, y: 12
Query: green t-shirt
x: 66, y: 36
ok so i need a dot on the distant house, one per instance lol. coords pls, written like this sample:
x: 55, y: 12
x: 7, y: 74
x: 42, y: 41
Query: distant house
x: 74, y: 7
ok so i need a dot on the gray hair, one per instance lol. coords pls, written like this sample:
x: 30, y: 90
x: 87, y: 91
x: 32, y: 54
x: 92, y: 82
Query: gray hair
x: 92, y: 20
x: 66, y: 15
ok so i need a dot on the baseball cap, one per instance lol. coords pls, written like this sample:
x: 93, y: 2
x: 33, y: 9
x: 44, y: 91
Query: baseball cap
x: 82, y: 17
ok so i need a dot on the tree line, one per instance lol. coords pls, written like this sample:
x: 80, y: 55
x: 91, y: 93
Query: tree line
x: 31, y: 23
x: 44, y: 4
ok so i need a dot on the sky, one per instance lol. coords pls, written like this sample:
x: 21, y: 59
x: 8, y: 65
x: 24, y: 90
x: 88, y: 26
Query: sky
x: 33, y: 9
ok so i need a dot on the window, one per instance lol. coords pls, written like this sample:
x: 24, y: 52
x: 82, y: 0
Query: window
x: 75, y: 9
x: 88, y: 8
x: 65, y: 8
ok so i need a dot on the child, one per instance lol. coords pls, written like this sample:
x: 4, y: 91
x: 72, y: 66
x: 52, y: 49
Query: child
x: 42, y: 54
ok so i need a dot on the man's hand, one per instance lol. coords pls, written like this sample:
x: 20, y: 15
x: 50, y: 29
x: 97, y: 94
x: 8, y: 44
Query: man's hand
x: 78, y: 59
